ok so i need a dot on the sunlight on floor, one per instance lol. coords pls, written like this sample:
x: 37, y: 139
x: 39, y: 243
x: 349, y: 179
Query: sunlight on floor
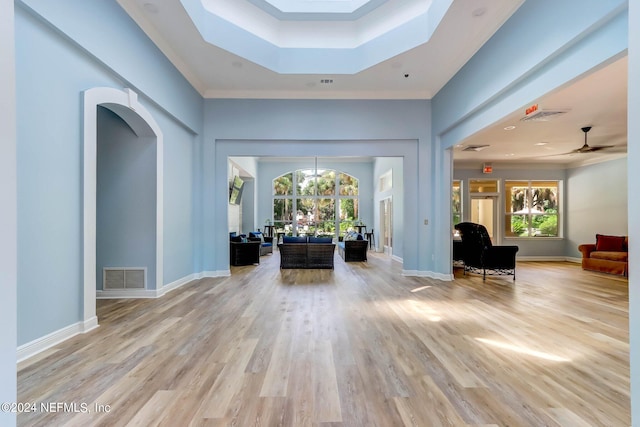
x: 524, y: 350
x: 420, y: 288
x: 424, y: 310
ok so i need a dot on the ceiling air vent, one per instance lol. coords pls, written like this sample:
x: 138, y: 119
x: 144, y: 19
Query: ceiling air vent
x: 543, y: 115
x: 474, y: 147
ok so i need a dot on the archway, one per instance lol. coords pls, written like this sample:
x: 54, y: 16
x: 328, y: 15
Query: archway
x: 125, y: 104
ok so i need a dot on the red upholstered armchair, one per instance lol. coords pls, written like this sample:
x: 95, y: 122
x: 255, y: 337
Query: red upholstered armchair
x: 608, y: 255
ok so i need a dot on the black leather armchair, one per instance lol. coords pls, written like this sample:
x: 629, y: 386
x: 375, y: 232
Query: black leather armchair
x: 479, y: 254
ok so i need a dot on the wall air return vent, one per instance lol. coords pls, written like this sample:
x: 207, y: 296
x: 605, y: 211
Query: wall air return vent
x: 124, y: 278
x: 475, y: 147
x: 543, y: 115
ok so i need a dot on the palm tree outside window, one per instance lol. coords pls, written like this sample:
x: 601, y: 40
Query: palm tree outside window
x: 315, y: 202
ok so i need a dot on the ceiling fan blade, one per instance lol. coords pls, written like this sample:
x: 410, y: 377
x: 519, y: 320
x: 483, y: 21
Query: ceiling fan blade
x: 598, y: 148
x: 586, y: 148
x: 591, y: 149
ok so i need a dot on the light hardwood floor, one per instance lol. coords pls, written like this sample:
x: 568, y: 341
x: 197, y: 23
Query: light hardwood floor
x: 358, y: 346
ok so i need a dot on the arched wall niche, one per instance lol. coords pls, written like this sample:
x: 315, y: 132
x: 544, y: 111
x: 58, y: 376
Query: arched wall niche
x: 125, y: 104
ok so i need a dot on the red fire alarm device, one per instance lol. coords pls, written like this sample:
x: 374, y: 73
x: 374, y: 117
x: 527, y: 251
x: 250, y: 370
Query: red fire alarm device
x: 487, y: 168
x: 531, y: 109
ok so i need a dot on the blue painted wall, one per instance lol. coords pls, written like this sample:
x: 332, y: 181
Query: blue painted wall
x: 110, y: 50
x: 316, y: 128
x: 113, y: 39
x: 597, y: 203
x: 51, y: 74
x: 533, y: 53
x: 8, y: 215
x: 181, y: 197
x: 381, y: 166
x: 504, y: 77
x: 126, y: 199
x: 528, y: 247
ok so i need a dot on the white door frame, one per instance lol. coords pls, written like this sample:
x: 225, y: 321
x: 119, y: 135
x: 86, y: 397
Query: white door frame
x: 125, y: 104
x: 494, y: 197
x: 382, y: 243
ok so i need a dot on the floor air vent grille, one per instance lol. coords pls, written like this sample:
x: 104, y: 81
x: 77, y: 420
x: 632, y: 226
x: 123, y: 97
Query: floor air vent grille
x: 124, y: 278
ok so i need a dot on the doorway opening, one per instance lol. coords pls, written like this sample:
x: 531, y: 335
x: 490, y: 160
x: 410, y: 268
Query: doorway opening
x: 124, y: 103
x: 483, y: 211
x: 386, y: 226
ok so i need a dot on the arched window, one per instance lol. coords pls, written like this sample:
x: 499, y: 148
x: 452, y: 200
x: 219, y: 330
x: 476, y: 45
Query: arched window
x: 315, y: 202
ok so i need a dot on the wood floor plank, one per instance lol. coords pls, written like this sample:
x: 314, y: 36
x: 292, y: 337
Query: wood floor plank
x: 326, y: 402
x: 360, y: 345
x: 217, y: 400
x: 151, y: 413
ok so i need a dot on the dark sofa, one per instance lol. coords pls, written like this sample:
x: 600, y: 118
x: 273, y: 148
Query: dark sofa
x: 243, y: 251
x: 266, y: 242
x: 353, y: 250
x: 353, y: 247
x: 306, y: 252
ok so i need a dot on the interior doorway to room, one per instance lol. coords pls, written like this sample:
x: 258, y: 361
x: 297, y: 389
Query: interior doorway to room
x: 483, y: 211
x: 386, y: 226
x: 484, y: 205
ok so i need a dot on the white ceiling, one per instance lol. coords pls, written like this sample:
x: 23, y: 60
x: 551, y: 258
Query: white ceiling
x: 597, y: 100
x: 218, y: 73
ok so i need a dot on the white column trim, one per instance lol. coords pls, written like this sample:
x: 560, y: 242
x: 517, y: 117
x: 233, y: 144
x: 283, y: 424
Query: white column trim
x: 126, y: 105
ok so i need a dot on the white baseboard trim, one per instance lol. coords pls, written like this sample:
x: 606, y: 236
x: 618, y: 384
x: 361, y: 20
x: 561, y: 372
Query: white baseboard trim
x: 127, y: 293
x: 430, y: 274
x: 38, y: 345
x: 548, y: 258
x: 219, y: 273
x: 89, y: 325
x: 178, y: 283
x: 157, y: 293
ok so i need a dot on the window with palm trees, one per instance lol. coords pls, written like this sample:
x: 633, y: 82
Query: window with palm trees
x: 532, y: 208
x: 456, y: 203
x: 315, y: 202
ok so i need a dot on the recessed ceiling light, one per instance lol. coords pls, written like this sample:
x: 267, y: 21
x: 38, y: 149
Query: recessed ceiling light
x: 509, y: 127
x: 541, y: 143
x: 479, y: 12
x: 509, y: 155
